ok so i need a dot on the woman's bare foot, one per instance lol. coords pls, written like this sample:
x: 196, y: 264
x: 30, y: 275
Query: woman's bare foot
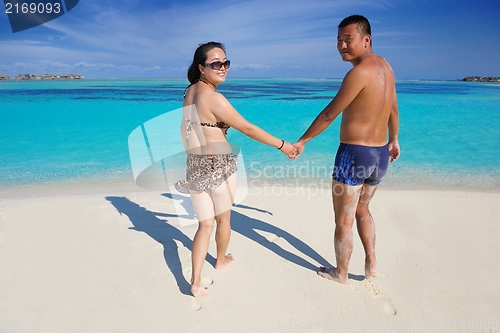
x: 199, y: 291
x: 330, y: 273
x: 371, y: 272
x: 224, y: 261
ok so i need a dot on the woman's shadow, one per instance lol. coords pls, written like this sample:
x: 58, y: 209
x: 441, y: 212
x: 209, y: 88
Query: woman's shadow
x: 162, y: 232
x: 247, y: 226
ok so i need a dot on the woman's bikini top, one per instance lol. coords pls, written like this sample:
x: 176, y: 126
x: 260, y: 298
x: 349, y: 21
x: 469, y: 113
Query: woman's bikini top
x: 220, y: 124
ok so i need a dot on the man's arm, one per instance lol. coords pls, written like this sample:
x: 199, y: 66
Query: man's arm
x: 349, y: 89
x: 393, y: 125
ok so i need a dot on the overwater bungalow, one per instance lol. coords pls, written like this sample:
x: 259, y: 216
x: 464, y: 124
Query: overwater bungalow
x: 73, y: 76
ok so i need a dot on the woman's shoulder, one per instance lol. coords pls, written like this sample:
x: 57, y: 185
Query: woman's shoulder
x: 219, y: 100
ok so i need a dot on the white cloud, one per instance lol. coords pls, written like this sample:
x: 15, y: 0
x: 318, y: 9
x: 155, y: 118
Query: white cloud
x: 252, y: 66
x: 33, y: 42
x: 260, y: 35
x: 82, y: 64
x: 153, y: 68
x: 46, y: 66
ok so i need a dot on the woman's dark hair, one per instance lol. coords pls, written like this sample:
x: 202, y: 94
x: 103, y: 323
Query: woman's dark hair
x: 200, y: 57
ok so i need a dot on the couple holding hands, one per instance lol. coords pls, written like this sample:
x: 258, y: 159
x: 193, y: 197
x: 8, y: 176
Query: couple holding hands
x: 368, y: 141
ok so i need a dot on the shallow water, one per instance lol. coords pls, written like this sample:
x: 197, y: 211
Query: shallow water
x: 75, y: 130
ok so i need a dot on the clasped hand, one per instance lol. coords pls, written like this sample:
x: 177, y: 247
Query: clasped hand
x: 289, y: 150
x: 294, y: 150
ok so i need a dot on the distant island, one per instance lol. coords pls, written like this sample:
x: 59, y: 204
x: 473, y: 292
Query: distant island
x: 19, y: 77
x: 480, y: 79
x: 75, y: 76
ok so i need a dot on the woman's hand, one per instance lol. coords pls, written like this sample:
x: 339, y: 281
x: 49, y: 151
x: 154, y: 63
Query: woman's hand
x: 289, y: 150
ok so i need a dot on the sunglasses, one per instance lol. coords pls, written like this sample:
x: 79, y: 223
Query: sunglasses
x: 218, y: 64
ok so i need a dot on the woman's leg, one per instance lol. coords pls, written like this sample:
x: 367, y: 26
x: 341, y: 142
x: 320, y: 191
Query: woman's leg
x: 223, y: 197
x: 203, y: 206
x: 222, y: 236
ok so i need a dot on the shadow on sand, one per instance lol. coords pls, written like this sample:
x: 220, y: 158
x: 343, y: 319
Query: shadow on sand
x: 247, y: 227
x: 161, y: 231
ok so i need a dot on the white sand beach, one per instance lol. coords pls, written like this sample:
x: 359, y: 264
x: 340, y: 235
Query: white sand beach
x: 118, y: 260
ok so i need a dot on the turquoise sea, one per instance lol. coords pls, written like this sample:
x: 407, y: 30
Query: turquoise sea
x: 61, y: 131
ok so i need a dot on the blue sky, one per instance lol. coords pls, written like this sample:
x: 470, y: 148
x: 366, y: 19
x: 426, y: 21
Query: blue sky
x: 422, y: 39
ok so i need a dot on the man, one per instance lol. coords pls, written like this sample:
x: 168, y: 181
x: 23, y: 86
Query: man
x: 368, y: 103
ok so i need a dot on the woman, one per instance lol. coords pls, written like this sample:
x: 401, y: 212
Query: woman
x: 211, y: 166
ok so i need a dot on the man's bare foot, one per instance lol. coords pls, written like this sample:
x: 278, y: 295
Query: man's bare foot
x: 371, y: 272
x: 330, y: 273
x: 199, y: 291
x: 224, y: 262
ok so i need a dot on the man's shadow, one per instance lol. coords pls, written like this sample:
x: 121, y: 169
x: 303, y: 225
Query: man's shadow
x: 247, y: 226
x: 162, y: 232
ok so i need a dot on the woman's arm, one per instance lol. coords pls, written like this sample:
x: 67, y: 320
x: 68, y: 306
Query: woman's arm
x: 225, y: 112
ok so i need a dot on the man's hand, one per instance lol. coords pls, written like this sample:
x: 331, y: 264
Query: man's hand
x: 394, y: 151
x: 300, y: 148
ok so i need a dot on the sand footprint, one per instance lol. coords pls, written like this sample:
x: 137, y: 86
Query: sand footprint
x: 206, y: 281
x: 268, y: 237
x: 197, y: 304
x: 274, y: 238
x: 378, y: 295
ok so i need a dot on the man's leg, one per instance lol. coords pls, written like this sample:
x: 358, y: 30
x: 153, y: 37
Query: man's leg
x: 366, y: 229
x: 345, y: 200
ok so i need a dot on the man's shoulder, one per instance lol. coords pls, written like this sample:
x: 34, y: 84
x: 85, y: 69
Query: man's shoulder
x: 372, y: 59
x: 384, y: 61
x: 373, y: 64
x: 361, y: 69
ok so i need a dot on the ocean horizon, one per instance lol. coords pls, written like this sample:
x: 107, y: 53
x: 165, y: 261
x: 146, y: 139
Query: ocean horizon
x: 78, y: 130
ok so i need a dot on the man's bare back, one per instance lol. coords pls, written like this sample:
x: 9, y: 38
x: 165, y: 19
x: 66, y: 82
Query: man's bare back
x: 364, y: 121
x: 366, y: 98
x: 368, y: 141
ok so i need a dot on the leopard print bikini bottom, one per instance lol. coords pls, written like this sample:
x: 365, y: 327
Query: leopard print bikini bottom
x: 207, y: 172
